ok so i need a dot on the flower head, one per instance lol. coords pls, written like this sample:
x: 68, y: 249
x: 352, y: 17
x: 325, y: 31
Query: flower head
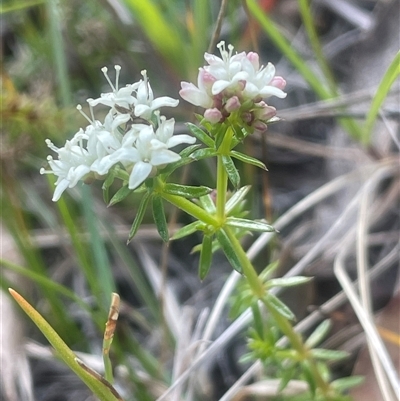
x: 234, y: 83
x: 140, y: 147
x: 73, y: 163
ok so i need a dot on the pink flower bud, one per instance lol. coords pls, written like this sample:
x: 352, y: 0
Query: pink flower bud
x: 205, y: 79
x: 232, y: 104
x: 278, y: 82
x: 265, y: 112
x: 259, y: 126
x: 213, y: 115
x: 254, y: 60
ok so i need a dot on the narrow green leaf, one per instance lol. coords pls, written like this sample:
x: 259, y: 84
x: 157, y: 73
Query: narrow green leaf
x: 228, y: 249
x: 139, y: 216
x: 233, y: 173
x: 309, y: 377
x: 186, y: 191
x: 258, y: 320
x: 201, y: 135
x: 347, y: 383
x: 248, y: 159
x: 274, y: 302
x: 159, y: 218
x: 236, y: 198
x: 288, y: 281
x: 388, y: 79
x: 203, y: 153
x: 329, y: 354
x: 168, y: 170
x: 205, y: 257
x: 188, y: 150
x: 251, y: 225
x: 269, y: 270
x: 106, y: 186
x: 219, y: 136
x: 318, y: 334
x: 120, y: 195
x: 186, y: 230
x: 286, y: 376
x: 99, y: 386
x: 208, y: 204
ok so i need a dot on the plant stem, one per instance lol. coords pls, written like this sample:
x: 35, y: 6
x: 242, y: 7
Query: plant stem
x: 222, y: 183
x: 222, y: 176
x: 190, y: 208
x: 248, y: 269
x: 297, y: 343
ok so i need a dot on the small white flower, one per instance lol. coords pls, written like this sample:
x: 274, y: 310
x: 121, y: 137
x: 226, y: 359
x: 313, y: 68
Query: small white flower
x: 165, y: 133
x: 145, y: 104
x: 102, y: 140
x: 119, y: 97
x: 145, y: 152
x: 201, y: 95
x: 72, y: 165
x: 259, y: 83
x: 227, y: 70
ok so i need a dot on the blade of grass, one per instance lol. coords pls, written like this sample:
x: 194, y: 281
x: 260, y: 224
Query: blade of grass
x: 103, y: 276
x: 79, y: 247
x: 44, y: 282
x: 141, y: 284
x: 200, y: 33
x: 17, y: 222
x: 308, y: 22
x: 383, y: 89
x: 161, y: 33
x: 100, y: 387
x: 55, y: 37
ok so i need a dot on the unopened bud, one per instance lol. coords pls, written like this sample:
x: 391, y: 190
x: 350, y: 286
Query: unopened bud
x: 213, y: 115
x: 232, y: 104
x: 278, y: 82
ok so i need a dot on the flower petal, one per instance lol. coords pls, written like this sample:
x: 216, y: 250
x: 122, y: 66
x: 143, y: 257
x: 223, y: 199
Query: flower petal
x: 163, y: 156
x: 139, y: 173
x: 178, y: 139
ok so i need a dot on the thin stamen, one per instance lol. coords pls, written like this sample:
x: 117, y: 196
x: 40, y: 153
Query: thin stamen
x: 91, y: 109
x: 51, y: 145
x: 117, y: 70
x: 79, y: 108
x: 104, y: 71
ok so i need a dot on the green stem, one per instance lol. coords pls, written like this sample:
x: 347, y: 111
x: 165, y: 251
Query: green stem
x: 222, y: 176
x: 222, y: 184
x: 190, y: 208
x: 298, y: 344
x: 248, y: 269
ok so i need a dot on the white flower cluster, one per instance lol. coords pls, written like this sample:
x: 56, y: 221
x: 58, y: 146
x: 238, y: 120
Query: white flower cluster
x: 229, y: 82
x: 133, y: 134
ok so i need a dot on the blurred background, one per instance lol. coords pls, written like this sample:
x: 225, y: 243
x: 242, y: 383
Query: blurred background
x: 339, y: 132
